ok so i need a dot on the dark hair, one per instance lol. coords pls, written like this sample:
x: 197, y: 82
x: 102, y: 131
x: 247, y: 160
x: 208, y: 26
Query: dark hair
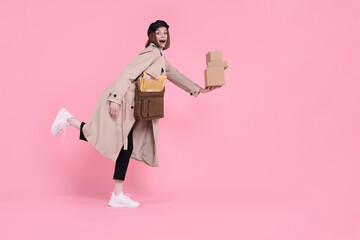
x: 152, y: 39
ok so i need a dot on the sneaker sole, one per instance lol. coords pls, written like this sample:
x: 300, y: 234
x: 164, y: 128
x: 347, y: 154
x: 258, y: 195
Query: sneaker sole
x: 121, y: 205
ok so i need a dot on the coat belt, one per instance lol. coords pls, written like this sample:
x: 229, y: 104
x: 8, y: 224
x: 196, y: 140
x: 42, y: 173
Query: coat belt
x: 125, y: 140
x: 124, y: 136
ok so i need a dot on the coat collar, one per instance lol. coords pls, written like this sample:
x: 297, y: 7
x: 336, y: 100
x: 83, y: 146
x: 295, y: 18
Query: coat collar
x: 154, y: 46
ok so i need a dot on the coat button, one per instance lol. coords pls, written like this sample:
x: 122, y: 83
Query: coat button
x: 190, y: 93
x: 114, y: 95
x: 132, y: 107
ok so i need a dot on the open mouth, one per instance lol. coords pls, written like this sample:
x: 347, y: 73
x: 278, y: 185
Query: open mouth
x: 162, y: 41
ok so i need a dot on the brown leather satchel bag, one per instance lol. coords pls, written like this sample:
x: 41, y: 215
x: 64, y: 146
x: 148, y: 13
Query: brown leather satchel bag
x: 148, y: 105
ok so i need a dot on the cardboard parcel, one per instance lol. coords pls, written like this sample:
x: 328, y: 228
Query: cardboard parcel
x: 215, y: 71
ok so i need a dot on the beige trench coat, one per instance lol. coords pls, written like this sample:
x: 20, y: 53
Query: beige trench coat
x: 108, y: 135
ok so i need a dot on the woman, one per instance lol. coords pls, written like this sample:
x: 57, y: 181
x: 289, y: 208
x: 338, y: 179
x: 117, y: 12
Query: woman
x: 112, y: 128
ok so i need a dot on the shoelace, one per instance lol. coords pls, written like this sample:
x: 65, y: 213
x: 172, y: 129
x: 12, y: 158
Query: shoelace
x: 127, y: 197
x: 64, y: 131
x: 64, y: 135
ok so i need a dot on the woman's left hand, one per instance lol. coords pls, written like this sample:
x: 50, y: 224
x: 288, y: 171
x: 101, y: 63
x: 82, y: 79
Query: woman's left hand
x: 208, y: 89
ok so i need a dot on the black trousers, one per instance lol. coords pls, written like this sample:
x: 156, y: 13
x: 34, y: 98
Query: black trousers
x: 123, y: 158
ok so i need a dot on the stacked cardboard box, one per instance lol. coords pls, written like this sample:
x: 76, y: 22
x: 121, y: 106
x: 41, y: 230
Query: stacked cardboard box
x: 215, y: 71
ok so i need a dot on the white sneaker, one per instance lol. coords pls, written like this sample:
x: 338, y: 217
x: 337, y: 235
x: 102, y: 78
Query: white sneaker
x: 60, y: 122
x: 122, y: 200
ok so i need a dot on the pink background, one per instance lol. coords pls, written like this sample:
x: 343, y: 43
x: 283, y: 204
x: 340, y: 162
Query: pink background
x: 274, y: 154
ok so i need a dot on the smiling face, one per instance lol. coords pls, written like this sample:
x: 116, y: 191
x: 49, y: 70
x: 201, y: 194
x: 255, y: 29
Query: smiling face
x: 158, y: 36
x: 161, y: 34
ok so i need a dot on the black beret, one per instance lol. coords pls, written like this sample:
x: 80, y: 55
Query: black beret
x: 155, y: 25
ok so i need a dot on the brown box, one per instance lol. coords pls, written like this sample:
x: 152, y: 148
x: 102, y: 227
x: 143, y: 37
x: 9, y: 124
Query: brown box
x: 214, y: 56
x: 223, y: 64
x: 214, y: 76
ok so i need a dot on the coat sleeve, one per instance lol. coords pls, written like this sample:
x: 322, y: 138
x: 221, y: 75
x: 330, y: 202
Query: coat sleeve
x: 180, y: 80
x: 130, y: 72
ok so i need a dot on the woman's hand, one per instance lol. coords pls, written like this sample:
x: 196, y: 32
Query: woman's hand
x: 208, y: 89
x: 114, y: 109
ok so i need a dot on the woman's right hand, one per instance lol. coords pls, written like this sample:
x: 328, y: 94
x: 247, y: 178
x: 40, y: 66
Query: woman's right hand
x: 208, y: 89
x: 114, y: 109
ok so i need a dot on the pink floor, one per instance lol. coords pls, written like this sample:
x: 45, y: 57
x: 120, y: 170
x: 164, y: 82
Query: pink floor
x: 167, y: 216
